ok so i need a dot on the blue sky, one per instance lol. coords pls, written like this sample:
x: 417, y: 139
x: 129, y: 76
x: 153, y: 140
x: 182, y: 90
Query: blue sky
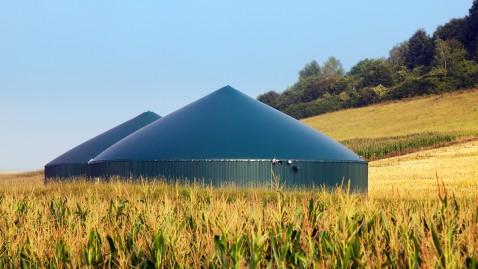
x: 70, y: 70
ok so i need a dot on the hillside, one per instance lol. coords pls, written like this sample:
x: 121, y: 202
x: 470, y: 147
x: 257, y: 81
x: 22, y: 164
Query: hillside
x: 455, y: 112
x: 402, y: 127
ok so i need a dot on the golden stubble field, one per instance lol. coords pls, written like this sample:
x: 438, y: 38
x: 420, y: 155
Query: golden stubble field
x: 419, y: 173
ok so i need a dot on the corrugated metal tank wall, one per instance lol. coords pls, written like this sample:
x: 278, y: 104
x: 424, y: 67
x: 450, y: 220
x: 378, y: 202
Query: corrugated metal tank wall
x: 57, y: 171
x: 243, y: 173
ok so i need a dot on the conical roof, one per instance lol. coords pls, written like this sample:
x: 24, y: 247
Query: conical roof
x: 86, y: 151
x: 227, y: 124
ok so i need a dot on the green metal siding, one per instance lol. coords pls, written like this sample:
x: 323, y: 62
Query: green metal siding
x: 244, y: 173
x: 64, y: 171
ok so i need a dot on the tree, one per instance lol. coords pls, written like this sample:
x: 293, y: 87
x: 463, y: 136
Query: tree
x: 465, y: 74
x: 397, y: 55
x: 451, y: 70
x: 448, y: 53
x: 332, y: 67
x: 420, y: 50
x: 372, y: 72
x: 288, y: 97
x: 470, y: 38
x: 311, y: 88
x: 325, y: 104
x: 454, y: 29
x: 310, y: 69
x: 439, y: 81
x: 364, y: 97
x: 269, y: 98
x: 411, y: 84
x: 341, y: 84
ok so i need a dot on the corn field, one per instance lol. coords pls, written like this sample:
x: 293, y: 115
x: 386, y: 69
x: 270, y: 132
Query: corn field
x: 167, y: 225
x: 373, y: 149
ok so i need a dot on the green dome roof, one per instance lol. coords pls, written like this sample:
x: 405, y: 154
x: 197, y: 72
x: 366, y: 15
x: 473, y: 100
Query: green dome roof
x: 86, y: 151
x: 227, y: 124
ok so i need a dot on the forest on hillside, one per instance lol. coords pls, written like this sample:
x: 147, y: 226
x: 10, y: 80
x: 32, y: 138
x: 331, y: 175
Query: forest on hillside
x: 424, y: 64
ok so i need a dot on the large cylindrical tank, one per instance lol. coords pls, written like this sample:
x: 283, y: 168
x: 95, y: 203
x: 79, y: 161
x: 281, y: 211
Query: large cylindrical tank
x: 74, y: 163
x: 229, y: 137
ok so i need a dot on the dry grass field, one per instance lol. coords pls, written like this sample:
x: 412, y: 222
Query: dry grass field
x: 455, y: 112
x: 418, y: 173
x: 8, y: 172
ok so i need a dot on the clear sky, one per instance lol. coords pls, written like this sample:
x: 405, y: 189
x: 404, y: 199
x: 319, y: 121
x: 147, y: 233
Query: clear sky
x: 70, y: 70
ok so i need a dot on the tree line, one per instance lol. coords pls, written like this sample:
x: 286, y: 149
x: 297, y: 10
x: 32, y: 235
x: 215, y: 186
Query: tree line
x: 424, y: 64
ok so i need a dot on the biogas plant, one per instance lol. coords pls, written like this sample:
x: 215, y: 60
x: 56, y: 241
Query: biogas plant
x: 225, y: 137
